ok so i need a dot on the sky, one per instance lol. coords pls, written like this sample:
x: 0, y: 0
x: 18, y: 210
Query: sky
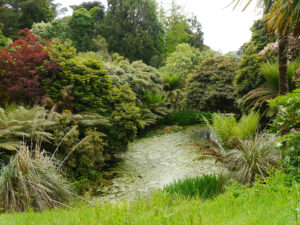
x: 224, y: 29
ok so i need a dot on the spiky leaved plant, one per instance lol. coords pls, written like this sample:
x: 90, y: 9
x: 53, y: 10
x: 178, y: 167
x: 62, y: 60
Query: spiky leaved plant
x: 252, y: 157
x: 32, y: 180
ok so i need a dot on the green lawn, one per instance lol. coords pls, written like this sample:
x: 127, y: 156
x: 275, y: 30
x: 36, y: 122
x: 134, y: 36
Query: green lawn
x: 272, y: 203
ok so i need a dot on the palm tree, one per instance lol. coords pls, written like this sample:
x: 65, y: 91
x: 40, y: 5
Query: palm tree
x: 257, y: 99
x: 283, y: 17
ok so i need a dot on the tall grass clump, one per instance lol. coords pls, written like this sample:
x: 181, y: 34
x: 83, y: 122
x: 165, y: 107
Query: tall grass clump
x: 205, y: 187
x: 228, y: 130
x: 32, y: 180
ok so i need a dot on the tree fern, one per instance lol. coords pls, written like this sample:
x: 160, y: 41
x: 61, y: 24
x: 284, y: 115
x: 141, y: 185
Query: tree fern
x: 229, y: 132
x: 18, y: 123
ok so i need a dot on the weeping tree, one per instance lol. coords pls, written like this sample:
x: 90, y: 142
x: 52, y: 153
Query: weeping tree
x: 282, y: 19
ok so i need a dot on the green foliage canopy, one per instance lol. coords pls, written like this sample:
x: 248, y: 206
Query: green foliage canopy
x: 132, y: 29
x: 16, y: 15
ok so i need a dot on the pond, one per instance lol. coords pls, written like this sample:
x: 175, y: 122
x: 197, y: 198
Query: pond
x: 151, y: 163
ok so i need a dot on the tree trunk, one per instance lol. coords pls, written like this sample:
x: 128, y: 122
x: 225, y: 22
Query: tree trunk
x: 283, y: 82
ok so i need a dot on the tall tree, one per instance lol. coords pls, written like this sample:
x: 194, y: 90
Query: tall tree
x: 283, y: 17
x: 83, y: 24
x: 132, y: 28
x: 20, y: 14
x: 181, y: 29
x: 89, y: 6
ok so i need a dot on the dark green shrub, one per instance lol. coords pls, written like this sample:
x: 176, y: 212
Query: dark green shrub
x: 80, y: 82
x: 185, y: 118
x: 89, y: 84
x: 125, y: 118
x: 211, y: 86
x: 249, y: 75
x: 205, y: 187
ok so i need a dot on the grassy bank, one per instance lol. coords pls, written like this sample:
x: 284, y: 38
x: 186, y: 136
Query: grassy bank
x: 269, y: 202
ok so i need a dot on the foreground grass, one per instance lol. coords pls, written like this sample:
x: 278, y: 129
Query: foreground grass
x: 266, y: 203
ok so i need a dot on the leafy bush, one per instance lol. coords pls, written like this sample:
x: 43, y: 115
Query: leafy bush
x: 4, y: 41
x: 205, y: 187
x: 139, y: 76
x: 125, y: 118
x: 82, y: 83
x: 56, y: 29
x: 229, y: 132
x: 185, y: 59
x: 32, y: 181
x: 211, y: 86
x: 291, y: 154
x: 179, y: 64
x: 288, y: 116
x: 249, y: 75
x: 287, y: 124
x: 185, y: 118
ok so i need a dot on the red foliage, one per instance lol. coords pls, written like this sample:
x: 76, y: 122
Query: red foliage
x: 20, y: 78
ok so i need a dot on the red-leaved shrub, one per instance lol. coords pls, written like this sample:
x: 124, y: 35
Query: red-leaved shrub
x: 20, y: 76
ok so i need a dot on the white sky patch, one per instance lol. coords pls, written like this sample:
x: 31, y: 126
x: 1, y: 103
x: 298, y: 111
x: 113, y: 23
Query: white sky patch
x: 224, y: 29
